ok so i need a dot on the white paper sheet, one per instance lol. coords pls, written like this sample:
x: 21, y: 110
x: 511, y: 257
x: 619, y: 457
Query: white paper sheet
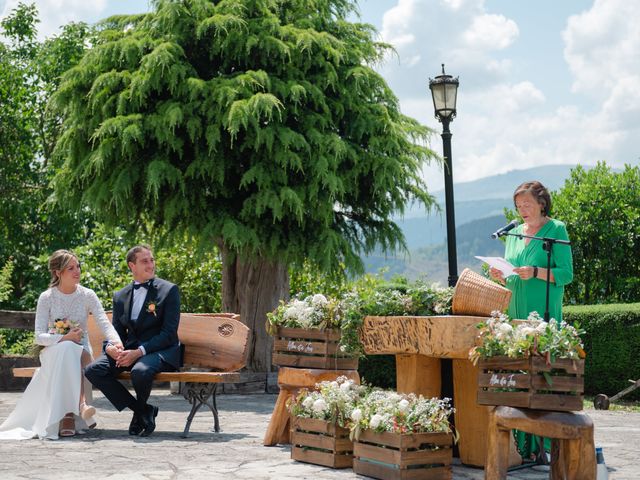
x: 500, y: 263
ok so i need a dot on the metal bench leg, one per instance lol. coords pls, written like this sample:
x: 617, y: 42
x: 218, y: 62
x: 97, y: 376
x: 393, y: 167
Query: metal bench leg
x: 198, y: 394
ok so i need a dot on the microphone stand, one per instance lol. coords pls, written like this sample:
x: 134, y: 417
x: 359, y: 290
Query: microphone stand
x: 547, y: 245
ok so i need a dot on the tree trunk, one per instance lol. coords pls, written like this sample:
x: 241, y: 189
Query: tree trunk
x: 252, y: 289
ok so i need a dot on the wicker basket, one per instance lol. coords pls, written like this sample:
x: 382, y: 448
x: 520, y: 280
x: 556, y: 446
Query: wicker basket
x: 477, y: 295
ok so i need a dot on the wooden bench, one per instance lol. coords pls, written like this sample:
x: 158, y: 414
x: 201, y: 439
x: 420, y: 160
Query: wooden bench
x: 216, y: 346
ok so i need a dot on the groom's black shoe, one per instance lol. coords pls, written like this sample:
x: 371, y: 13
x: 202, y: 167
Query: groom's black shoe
x: 136, y: 426
x: 149, y: 420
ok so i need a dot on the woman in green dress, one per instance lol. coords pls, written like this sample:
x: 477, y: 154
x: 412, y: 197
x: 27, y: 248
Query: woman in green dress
x: 528, y: 286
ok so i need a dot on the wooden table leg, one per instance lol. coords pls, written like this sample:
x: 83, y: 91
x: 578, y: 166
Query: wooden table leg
x: 418, y: 374
x: 279, y: 420
x: 472, y: 419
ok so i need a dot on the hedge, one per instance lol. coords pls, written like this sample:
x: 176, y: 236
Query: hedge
x: 612, y: 343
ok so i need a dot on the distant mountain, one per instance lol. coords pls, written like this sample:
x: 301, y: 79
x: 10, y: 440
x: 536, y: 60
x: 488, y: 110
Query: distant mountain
x: 472, y: 238
x: 497, y: 187
x: 479, y: 207
x: 486, y: 197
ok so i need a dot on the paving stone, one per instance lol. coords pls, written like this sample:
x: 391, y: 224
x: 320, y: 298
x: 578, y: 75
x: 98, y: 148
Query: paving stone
x: 236, y: 453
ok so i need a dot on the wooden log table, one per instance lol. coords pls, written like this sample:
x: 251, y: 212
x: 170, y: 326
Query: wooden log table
x: 418, y: 344
x: 290, y: 381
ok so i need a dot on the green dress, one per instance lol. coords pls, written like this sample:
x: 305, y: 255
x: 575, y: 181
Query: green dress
x: 529, y: 295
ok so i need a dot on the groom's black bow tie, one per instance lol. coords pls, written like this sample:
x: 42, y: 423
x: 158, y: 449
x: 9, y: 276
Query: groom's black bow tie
x: 146, y: 285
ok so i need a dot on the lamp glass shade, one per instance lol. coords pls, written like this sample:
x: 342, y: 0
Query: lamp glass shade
x: 444, y: 95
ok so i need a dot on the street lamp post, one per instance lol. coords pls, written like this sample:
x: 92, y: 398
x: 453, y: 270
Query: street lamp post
x: 444, y: 90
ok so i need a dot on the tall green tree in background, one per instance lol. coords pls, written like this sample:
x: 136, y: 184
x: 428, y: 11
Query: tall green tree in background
x: 258, y: 126
x: 29, y: 72
x: 602, y: 211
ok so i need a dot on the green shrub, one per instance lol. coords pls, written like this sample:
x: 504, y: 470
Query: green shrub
x: 14, y: 341
x: 612, y: 343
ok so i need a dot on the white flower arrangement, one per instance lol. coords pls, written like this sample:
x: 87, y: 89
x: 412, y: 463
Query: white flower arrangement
x: 359, y: 407
x: 500, y: 336
x: 333, y: 401
x: 315, y: 311
x: 388, y: 411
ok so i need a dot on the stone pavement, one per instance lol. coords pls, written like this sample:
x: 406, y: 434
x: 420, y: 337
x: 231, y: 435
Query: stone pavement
x: 237, y: 452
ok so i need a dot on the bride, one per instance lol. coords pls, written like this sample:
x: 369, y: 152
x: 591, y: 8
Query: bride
x: 54, y: 402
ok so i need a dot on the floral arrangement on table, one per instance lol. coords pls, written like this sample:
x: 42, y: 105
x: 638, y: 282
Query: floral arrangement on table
x: 333, y: 401
x: 347, y: 313
x: 316, y: 312
x: 501, y: 336
x: 389, y: 411
x: 59, y: 326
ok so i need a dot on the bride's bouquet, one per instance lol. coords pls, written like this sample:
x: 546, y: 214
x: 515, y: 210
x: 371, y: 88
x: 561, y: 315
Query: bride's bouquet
x: 60, y: 326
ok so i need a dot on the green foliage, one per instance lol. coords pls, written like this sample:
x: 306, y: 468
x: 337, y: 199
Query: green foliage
x: 378, y: 370
x: 612, y: 343
x: 256, y: 124
x: 5, y: 280
x: 14, y: 341
x: 306, y: 279
x: 29, y: 71
x: 197, y: 273
x: 602, y: 211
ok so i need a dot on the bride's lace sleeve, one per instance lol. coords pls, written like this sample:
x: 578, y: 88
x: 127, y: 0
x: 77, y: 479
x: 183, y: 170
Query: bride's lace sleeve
x: 95, y: 307
x: 43, y: 337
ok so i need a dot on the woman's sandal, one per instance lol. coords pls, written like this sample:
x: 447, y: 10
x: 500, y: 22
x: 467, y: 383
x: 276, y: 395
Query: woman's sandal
x: 67, y: 426
x: 87, y: 411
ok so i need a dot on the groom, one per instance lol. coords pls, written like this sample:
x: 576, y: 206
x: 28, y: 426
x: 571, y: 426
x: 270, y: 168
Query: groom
x: 146, y: 314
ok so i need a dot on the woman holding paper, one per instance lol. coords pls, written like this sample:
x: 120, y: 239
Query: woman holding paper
x: 528, y: 286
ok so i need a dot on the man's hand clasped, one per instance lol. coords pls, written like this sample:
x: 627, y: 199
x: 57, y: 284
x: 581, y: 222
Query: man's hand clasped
x: 126, y: 358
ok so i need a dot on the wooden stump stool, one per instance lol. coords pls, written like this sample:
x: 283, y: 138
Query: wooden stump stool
x: 572, y: 446
x: 290, y: 381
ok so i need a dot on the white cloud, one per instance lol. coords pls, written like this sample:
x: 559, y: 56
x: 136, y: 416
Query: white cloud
x: 490, y: 32
x: 602, y: 46
x: 55, y: 13
x: 505, y: 121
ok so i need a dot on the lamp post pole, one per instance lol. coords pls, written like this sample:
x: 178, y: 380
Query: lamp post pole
x: 444, y: 90
x: 449, y: 203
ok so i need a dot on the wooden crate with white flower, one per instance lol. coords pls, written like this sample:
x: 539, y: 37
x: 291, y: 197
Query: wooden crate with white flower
x: 311, y: 348
x: 531, y: 382
x: 391, y: 456
x: 320, y: 442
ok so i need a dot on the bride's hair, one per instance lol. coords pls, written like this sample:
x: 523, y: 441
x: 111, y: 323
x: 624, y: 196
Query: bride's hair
x: 58, y: 261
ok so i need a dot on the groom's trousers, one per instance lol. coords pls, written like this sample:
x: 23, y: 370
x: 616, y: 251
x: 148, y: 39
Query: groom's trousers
x: 103, y: 373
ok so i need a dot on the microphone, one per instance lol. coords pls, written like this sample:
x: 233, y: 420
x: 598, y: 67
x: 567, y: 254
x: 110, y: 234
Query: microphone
x: 501, y: 231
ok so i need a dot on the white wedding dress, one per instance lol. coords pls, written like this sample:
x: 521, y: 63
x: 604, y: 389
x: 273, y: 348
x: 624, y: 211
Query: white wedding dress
x: 54, y: 390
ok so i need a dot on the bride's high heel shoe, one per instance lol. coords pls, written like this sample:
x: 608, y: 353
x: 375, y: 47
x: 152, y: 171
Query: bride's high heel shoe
x: 67, y: 426
x: 87, y: 411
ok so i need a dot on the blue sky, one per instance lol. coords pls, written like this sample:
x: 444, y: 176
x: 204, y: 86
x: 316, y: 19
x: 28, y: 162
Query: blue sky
x: 541, y: 82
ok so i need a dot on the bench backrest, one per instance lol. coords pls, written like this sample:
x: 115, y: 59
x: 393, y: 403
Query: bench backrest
x: 219, y: 342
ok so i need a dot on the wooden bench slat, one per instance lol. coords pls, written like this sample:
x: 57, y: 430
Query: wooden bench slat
x: 195, y: 377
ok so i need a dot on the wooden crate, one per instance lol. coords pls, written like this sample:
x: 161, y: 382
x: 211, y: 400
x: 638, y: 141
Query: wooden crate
x: 520, y: 382
x: 308, y: 348
x: 391, y: 456
x: 321, y: 443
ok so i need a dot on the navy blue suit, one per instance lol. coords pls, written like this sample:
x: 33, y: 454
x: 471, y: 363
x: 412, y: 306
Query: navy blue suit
x: 156, y: 331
